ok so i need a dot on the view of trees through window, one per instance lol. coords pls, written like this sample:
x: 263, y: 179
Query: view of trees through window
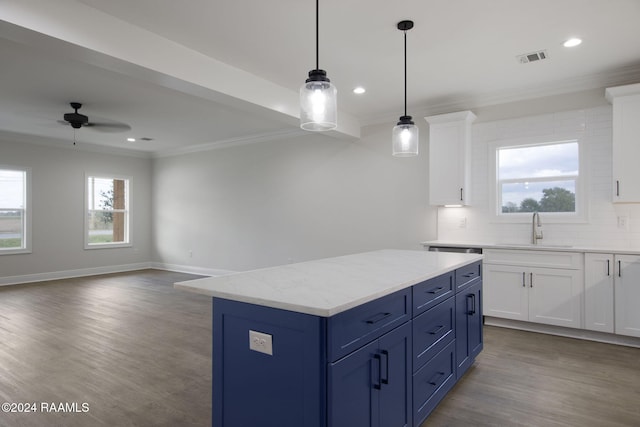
x: 554, y: 199
x: 540, y: 177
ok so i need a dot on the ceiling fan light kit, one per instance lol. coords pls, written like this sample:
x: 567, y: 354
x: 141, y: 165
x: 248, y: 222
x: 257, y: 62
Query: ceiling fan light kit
x: 318, y: 96
x: 405, y: 134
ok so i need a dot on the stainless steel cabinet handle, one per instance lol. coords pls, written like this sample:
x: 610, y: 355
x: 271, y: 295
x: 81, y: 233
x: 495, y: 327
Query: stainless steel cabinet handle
x: 531, y: 280
x: 617, y: 188
x: 523, y: 284
x: 461, y: 195
x: 608, y: 269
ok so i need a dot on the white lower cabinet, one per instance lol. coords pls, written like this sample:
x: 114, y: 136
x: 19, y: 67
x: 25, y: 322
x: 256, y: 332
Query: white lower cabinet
x: 519, y: 287
x: 598, y: 292
x: 612, y: 293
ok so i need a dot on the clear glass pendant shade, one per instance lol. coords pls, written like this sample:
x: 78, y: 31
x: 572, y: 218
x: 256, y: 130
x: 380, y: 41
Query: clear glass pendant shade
x: 318, y: 104
x: 405, y: 139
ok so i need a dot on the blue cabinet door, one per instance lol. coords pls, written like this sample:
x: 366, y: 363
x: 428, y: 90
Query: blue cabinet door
x: 395, y: 391
x: 468, y: 327
x: 371, y: 387
x: 353, y: 385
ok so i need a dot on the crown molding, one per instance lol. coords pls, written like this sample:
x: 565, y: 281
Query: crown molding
x: 231, y: 142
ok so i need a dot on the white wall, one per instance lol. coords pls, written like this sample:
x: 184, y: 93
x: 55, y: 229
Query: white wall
x: 58, y: 176
x: 601, y: 229
x: 292, y: 200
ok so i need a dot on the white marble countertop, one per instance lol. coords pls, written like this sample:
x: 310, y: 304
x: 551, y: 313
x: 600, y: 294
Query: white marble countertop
x: 329, y: 286
x: 539, y: 247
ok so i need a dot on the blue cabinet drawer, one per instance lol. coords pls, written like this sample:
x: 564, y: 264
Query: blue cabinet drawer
x: 350, y: 330
x: 431, y: 292
x: 468, y: 275
x: 432, y: 331
x: 432, y: 382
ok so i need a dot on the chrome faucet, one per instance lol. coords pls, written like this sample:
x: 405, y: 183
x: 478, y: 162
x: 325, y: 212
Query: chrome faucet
x: 536, y: 231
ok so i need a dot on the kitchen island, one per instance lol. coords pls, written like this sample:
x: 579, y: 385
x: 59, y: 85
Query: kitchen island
x: 376, y: 338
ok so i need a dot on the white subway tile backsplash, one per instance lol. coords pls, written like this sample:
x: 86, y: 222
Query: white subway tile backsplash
x: 601, y: 228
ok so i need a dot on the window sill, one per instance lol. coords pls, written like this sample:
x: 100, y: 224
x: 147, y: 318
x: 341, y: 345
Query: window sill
x: 108, y: 246
x: 14, y: 251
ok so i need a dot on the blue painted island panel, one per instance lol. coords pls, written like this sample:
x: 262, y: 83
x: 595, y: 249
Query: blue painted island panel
x: 251, y: 388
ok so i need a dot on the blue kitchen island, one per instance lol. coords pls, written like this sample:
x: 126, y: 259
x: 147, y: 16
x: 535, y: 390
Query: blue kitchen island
x: 370, y: 339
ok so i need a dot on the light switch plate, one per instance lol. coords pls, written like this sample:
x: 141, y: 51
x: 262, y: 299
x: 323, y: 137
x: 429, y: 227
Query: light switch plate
x: 261, y: 342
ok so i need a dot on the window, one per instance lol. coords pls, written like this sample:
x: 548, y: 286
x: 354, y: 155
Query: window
x: 543, y: 177
x: 15, y: 210
x: 107, y: 218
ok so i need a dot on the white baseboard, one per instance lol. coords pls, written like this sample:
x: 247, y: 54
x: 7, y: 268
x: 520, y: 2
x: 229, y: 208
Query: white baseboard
x: 94, y: 271
x: 214, y: 272
x: 582, y: 334
x: 67, y: 274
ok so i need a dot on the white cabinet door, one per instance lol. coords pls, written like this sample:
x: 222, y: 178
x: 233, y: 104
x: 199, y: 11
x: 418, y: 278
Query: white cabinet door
x: 542, y: 295
x: 627, y: 292
x: 598, y: 292
x: 626, y: 142
x: 450, y: 158
x: 555, y: 297
x: 505, y: 292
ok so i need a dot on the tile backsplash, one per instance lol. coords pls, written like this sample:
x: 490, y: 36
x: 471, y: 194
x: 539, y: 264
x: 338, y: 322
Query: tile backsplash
x: 602, y: 228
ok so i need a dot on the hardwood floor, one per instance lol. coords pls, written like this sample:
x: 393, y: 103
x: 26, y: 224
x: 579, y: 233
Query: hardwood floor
x: 530, y: 379
x: 133, y: 348
x: 139, y: 353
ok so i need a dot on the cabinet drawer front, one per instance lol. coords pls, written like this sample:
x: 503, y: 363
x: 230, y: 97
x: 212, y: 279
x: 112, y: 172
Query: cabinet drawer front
x: 468, y: 275
x: 432, y: 331
x: 432, y: 382
x: 350, y: 330
x: 431, y: 292
x: 528, y: 258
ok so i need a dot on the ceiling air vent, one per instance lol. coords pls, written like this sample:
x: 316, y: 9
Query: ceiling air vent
x: 532, y: 57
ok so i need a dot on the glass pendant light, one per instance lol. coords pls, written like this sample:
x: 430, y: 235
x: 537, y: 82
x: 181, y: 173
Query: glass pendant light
x: 405, y: 133
x: 318, y: 97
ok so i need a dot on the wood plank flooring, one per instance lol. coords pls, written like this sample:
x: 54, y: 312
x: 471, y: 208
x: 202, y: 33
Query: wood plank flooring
x: 139, y: 353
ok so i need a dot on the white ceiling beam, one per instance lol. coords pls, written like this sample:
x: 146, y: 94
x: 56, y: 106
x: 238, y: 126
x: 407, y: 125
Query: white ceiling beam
x: 85, y: 34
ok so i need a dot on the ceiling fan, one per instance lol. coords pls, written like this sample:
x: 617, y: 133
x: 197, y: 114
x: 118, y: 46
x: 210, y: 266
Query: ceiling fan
x: 77, y: 120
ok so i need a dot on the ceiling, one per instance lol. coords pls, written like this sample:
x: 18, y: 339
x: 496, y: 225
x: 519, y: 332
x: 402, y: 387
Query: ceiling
x: 228, y: 71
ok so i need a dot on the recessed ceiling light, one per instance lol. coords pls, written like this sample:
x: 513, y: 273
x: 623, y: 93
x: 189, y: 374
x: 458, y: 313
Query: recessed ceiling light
x: 572, y: 42
x: 359, y: 90
x: 131, y: 139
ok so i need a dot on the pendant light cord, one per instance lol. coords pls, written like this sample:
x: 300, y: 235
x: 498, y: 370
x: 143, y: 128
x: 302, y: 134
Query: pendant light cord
x: 405, y: 72
x: 317, y: 34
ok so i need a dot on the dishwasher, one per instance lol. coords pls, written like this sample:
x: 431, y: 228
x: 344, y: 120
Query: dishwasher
x: 457, y: 249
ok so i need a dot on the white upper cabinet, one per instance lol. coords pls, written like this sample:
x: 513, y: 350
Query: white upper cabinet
x: 450, y: 158
x: 626, y: 142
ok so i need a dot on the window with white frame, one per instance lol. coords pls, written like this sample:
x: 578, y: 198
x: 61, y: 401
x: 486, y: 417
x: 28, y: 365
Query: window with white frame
x: 107, y: 217
x: 542, y: 177
x: 15, y: 210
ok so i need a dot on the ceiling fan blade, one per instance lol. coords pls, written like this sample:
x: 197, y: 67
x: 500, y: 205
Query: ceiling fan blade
x: 108, y: 127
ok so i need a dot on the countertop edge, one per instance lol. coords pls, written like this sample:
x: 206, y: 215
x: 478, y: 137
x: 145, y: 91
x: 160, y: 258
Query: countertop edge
x: 531, y: 247
x: 202, y: 289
